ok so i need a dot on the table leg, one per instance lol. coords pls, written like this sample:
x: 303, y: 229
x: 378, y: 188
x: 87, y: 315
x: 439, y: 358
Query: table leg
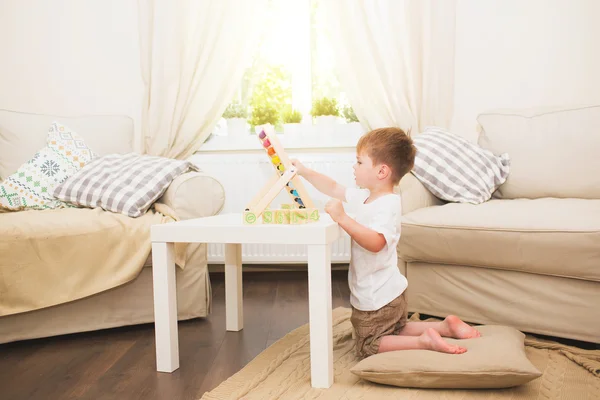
x: 319, y: 299
x: 234, y: 306
x: 165, y: 307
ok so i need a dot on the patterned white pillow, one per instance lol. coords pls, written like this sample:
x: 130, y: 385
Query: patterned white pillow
x: 123, y: 183
x: 31, y: 187
x: 456, y: 170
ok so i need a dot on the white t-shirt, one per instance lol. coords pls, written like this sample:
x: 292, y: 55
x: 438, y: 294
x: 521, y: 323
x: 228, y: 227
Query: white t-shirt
x: 374, y: 278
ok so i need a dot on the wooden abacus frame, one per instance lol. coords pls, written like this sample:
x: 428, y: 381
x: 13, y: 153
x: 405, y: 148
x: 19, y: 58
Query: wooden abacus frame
x: 285, y: 177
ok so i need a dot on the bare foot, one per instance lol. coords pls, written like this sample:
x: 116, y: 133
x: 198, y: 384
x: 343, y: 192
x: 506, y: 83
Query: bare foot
x: 431, y: 340
x: 458, y: 329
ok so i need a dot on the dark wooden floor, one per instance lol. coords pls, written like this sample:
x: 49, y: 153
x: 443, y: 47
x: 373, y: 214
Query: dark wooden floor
x: 120, y: 363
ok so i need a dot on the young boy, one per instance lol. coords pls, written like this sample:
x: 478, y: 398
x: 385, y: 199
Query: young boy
x: 379, y: 310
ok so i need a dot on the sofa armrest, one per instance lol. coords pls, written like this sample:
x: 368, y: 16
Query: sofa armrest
x: 414, y: 195
x: 194, y: 195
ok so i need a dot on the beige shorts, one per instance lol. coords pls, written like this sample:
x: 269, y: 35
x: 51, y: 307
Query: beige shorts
x: 371, y: 326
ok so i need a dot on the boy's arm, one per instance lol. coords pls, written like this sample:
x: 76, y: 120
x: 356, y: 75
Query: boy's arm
x: 367, y: 238
x: 322, y: 183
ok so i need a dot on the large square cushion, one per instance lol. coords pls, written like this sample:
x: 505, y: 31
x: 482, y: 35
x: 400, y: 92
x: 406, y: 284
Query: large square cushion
x: 23, y: 134
x: 557, y: 237
x: 553, y: 151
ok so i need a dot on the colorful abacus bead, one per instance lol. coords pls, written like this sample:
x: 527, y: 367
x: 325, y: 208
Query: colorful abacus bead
x: 262, y: 134
x: 270, y: 151
x: 266, y: 143
x: 281, y: 168
x: 275, y: 160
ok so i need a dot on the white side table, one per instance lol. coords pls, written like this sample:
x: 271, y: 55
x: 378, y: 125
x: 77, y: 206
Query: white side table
x: 229, y: 229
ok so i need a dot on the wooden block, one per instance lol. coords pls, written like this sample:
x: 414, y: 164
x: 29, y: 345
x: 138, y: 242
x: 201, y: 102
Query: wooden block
x: 313, y: 214
x: 250, y: 218
x: 298, y: 217
x: 282, y: 216
x: 267, y: 217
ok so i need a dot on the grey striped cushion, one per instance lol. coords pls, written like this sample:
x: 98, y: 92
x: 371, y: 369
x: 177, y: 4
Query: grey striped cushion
x: 123, y: 183
x: 456, y: 170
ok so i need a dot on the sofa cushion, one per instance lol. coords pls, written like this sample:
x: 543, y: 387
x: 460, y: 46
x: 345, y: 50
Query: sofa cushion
x: 127, y: 184
x: 456, y: 170
x: 182, y: 196
x: 559, y: 237
x: 554, y: 153
x: 32, y: 185
x: 22, y: 134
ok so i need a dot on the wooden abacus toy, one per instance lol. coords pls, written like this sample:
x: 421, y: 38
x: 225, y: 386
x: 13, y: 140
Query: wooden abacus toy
x: 301, y: 210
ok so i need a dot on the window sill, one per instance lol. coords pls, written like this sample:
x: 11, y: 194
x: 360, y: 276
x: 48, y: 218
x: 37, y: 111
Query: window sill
x: 343, y: 139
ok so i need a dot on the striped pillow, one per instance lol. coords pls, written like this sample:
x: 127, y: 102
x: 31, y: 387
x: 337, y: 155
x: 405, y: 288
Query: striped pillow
x: 123, y: 183
x: 456, y: 170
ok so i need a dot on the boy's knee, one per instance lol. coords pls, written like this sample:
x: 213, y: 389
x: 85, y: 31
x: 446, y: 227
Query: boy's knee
x: 367, y: 348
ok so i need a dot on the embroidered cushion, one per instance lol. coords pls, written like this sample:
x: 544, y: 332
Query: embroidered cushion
x: 32, y: 185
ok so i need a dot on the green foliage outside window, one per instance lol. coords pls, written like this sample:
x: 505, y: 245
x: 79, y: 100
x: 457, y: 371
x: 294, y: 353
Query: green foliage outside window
x: 325, y: 106
x: 235, y: 110
x: 348, y: 113
x: 264, y: 114
x: 270, y: 94
x: 290, y: 116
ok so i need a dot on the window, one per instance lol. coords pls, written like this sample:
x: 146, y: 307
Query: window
x: 292, y: 68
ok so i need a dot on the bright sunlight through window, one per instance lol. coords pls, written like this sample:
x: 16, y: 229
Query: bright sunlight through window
x: 291, y: 78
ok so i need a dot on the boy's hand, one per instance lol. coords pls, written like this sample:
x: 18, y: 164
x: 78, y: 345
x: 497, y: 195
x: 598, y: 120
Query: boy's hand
x: 335, y: 208
x: 299, y: 166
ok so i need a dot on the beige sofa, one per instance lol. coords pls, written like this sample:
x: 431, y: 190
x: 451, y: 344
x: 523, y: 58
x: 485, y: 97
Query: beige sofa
x: 191, y: 195
x: 529, y: 257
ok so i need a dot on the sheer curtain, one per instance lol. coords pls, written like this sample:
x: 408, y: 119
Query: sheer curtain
x: 193, y: 55
x: 395, y: 59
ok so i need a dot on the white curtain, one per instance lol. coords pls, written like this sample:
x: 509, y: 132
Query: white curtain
x: 395, y: 59
x: 193, y: 55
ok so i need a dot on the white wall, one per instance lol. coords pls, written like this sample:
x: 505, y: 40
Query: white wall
x: 70, y: 57
x: 82, y: 56
x: 524, y: 53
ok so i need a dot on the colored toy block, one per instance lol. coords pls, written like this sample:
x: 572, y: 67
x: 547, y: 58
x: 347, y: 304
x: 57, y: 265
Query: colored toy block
x: 250, y: 218
x: 313, y: 214
x: 282, y: 216
x: 298, y: 217
x: 268, y: 217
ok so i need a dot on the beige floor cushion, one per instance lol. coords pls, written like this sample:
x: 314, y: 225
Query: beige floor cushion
x: 558, y: 237
x: 495, y: 360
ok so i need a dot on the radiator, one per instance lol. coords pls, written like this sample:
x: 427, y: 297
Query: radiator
x: 243, y: 174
